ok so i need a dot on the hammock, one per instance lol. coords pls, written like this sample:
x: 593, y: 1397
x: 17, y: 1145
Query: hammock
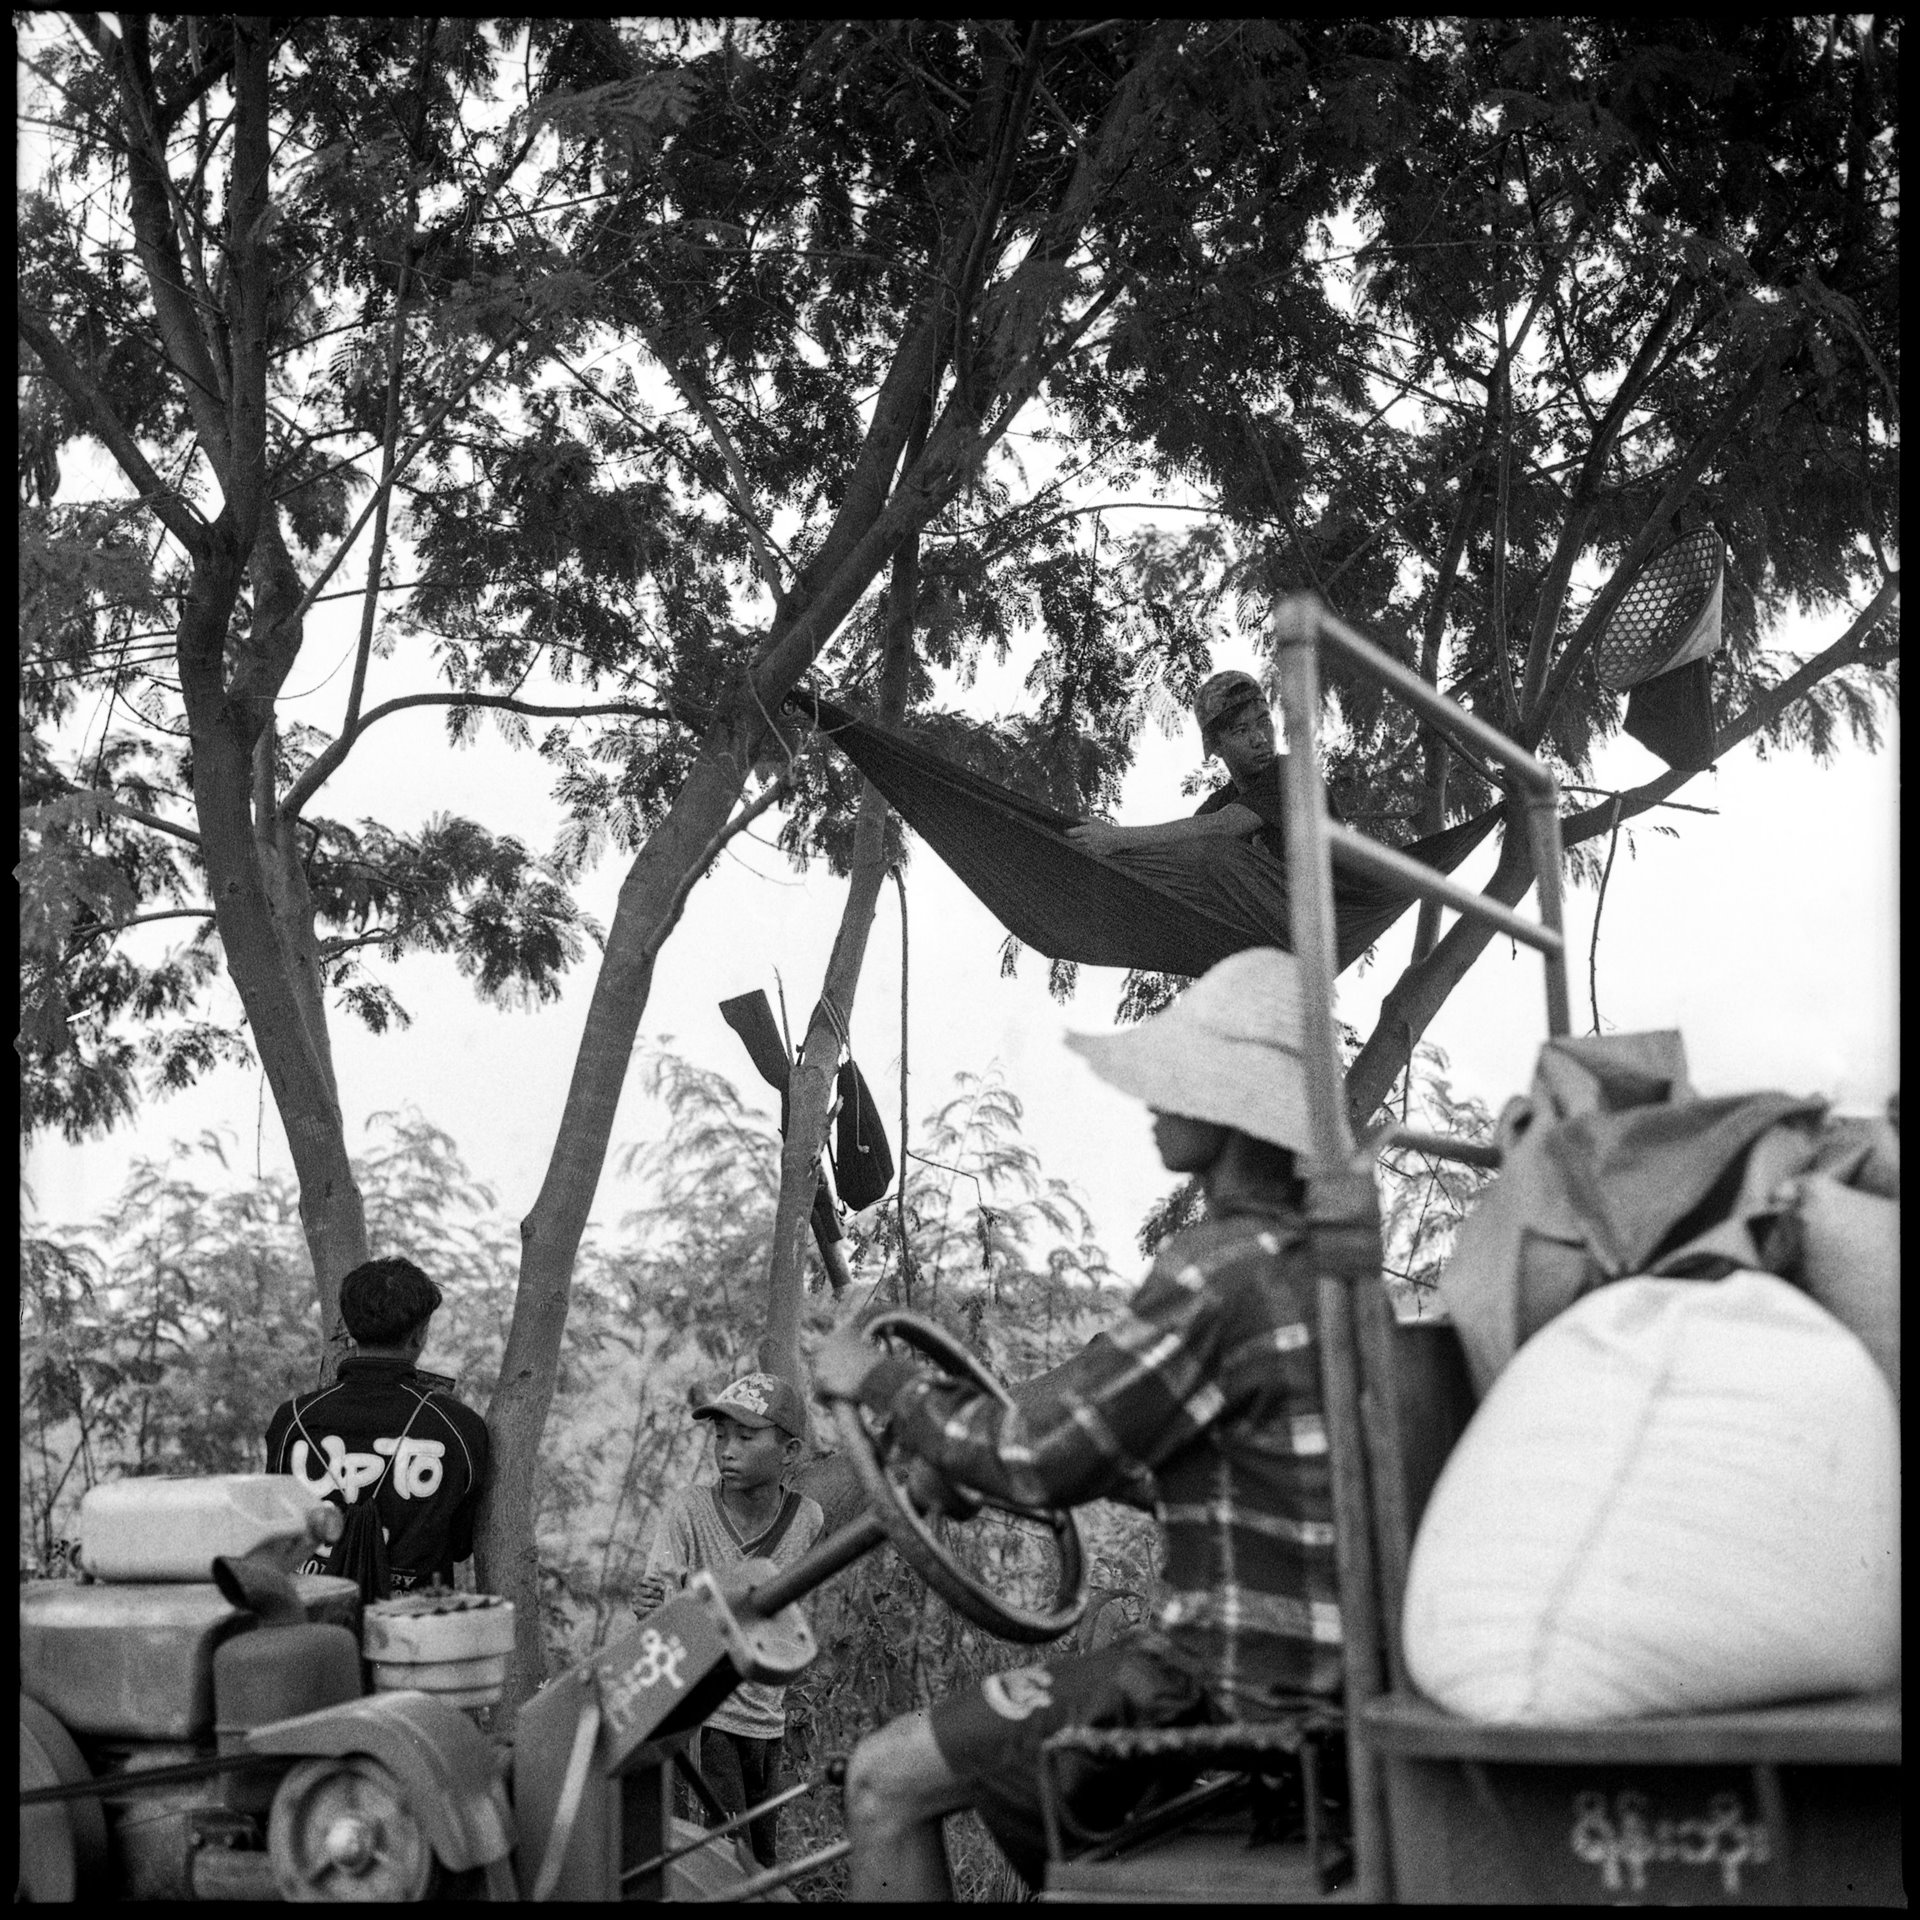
x: 1013, y: 855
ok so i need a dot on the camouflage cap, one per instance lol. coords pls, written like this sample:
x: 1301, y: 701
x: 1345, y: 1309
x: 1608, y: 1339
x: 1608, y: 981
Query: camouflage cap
x: 758, y: 1400
x: 1224, y: 695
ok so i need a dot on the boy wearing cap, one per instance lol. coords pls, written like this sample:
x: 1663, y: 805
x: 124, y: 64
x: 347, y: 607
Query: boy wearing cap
x: 759, y: 1438
x: 1207, y: 1394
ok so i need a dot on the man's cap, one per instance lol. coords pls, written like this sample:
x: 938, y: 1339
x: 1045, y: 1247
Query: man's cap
x: 1228, y: 1050
x: 758, y: 1400
x: 1223, y: 696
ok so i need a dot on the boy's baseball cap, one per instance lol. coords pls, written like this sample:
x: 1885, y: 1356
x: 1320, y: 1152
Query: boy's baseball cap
x: 758, y: 1400
x: 1223, y: 696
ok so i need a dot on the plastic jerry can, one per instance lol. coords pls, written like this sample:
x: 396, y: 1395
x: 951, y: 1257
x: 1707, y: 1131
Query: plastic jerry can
x: 172, y: 1529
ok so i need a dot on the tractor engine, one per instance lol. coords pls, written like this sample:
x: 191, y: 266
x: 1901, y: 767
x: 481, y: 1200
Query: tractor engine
x: 147, y: 1673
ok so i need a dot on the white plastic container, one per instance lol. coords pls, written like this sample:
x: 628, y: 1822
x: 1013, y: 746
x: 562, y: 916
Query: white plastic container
x: 173, y: 1529
x: 455, y: 1646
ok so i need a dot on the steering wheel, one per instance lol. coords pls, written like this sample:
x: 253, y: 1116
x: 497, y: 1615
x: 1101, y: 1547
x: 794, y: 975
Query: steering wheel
x: 918, y: 1543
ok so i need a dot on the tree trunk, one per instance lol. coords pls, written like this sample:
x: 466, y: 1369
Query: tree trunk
x: 1422, y: 990
x: 259, y: 897
x: 254, y: 941
x: 887, y: 499
x: 810, y: 1095
x: 226, y: 728
x: 810, y: 1090
x: 333, y: 1211
x: 651, y: 899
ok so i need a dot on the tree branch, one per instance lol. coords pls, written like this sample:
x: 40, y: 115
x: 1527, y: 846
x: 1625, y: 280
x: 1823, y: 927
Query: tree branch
x: 202, y: 83
x: 153, y: 204
x: 1022, y: 389
x: 1014, y: 111
x: 140, y: 920
x: 1424, y: 987
x: 419, y: 440
x: 741, y: 821
x: 390, y: 435
x: 741, y: 494
x: 1497, y: 609
x: 175, y: 513
x: 1553, y: 588
x: 138, y: 815
x: 327, y: 763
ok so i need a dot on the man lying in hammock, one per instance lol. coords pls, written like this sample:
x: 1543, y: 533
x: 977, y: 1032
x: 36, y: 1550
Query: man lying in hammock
x: 1234, y: 845
x: 1173, y: 898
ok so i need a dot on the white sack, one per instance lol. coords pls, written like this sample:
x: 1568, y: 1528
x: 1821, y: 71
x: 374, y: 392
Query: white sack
x: 1679, y: 1496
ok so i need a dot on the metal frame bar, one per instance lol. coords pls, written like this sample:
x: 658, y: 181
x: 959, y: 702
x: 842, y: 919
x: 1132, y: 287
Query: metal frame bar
x: 1310, y: 880
x: 1429, y: 702
x: 1301, y: 625
x: 1370, y: 1520
x: 1391, y: 864
x: 773, y: 1877
x: 728, y: 1827
x: 1543, y: 835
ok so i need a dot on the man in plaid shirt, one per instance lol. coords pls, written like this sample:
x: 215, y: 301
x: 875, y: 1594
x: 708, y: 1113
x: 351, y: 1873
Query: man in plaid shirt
x: 1203, y: 1401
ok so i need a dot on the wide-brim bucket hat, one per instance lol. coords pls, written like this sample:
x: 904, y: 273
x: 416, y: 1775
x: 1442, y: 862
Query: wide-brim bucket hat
x: 1228, y: 1050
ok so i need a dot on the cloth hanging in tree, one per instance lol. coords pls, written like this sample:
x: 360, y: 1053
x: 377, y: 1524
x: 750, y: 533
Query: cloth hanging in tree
x: 1181, y: 912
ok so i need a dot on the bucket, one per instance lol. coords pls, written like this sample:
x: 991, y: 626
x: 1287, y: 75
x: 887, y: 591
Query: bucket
x: 455, y: 1646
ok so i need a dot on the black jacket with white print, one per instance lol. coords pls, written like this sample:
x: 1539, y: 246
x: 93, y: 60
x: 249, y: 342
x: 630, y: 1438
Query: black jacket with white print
x: 379, y: 1419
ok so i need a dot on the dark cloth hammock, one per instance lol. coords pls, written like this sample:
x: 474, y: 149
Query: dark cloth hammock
x: 1013, y: 854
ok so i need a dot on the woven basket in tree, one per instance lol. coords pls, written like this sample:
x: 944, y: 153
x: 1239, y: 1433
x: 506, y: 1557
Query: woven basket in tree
x: 1670, y: 615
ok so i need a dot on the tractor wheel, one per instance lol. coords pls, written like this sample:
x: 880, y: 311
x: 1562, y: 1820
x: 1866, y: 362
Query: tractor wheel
x: 342, y: 1829
x: 63, y: 1843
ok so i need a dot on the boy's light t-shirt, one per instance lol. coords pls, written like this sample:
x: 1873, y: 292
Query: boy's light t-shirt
x: 691, y: 1536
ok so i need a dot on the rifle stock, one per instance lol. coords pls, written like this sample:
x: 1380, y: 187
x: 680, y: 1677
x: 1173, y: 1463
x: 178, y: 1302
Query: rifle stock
x: 751, y: 1017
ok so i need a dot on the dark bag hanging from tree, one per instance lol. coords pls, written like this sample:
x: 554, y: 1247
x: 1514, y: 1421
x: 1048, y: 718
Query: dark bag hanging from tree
x: 862, y: 1160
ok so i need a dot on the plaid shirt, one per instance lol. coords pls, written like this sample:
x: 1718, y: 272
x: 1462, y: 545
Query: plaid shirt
x: 1209, y: 1385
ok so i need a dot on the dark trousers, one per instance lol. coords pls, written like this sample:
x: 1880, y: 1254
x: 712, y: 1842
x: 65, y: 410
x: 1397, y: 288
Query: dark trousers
x: 742, y: 1772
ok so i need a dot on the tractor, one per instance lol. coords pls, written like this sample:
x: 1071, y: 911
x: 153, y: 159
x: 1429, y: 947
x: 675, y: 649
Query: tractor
x: 215, y: 1738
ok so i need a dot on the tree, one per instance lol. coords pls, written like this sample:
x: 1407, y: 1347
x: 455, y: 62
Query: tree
x: 224, y: 197
x: 1613, y: 280
x: 833, y: 246
x: 1013, y: 188
x: 1609, y: 282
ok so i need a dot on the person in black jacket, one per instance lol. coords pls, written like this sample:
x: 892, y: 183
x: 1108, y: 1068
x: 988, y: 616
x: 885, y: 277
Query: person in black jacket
x: 384, y: 1432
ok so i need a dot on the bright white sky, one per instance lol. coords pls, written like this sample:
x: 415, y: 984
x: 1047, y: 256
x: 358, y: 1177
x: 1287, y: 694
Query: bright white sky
x: 1767, y: 934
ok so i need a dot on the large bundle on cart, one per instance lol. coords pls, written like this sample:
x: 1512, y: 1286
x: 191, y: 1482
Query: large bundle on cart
x: 1650, y: 1621
x: 1012, y: 853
